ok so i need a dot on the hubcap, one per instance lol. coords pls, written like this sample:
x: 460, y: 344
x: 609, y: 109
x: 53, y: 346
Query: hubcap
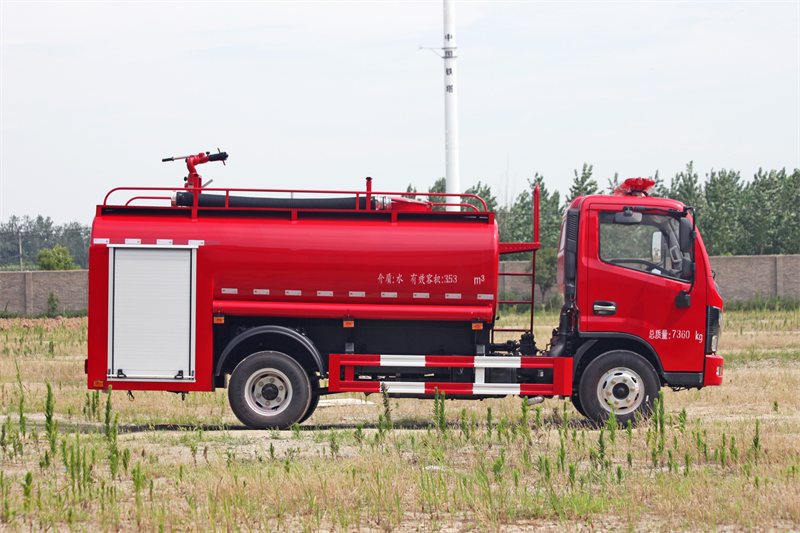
x: 620, y: 389
x: 268, y: 391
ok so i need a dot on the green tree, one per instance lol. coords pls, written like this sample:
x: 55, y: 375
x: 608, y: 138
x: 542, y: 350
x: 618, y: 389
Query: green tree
x: 789, y: 209
x: 516, y: 223
x: 761, y: 213
x: 583, y: 184
x: 613, y: 183
x: 659, y: 189
x: 439, y: 186
x: 485, y: 192
x: 38, y: 233
x: 546, y: 269
x: 722, y: 228
x: 686, y: 188
x: 58, y: 258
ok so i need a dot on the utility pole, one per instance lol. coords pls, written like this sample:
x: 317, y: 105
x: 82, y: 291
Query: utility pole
x: 450, y: 104
x: 19, y: 233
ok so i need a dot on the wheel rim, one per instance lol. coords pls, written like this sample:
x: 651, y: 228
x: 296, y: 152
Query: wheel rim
x: 268, y: 392
x: 620, y: 389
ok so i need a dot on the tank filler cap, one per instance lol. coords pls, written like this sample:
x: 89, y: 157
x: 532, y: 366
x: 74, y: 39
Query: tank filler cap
x: 635, y: 187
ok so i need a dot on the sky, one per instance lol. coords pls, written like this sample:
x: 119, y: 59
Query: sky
x: 319, y: 95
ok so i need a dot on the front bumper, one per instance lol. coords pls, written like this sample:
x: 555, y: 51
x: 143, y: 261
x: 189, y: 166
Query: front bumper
x: 712, y: 374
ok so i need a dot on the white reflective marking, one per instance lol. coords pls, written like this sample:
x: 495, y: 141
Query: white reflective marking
x: 486, y: 297
x: 133, y: 241
x: 164, y: 242
x: 260, y: 291
x: 495, y: 388
x: 403, y: 360
x: 388, y: 295
x: 196, y: 243
x: 480, y: 375
x: 422, y: 295
x: 230, y: 291
x: 452, y: 296
x: 358, y: 294
x: 324, y: 293
x: 294, y: 293
x: 405, y: 387
x: 100, y: 241
x: 497, y: 362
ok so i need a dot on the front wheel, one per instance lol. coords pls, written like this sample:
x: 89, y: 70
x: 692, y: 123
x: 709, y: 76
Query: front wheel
x: 622, y: 381
x: 269, y: 390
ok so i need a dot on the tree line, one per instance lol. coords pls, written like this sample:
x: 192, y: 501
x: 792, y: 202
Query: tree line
x: 735, y: 216
x: 23, y: 239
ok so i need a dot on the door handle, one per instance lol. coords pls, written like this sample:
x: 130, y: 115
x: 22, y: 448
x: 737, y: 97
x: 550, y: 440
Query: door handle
x: 605, y: 308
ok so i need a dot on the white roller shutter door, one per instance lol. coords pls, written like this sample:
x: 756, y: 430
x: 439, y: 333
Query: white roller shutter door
x: 151, y: 313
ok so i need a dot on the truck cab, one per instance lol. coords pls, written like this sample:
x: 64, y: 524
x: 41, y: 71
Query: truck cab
x: 641, y: 308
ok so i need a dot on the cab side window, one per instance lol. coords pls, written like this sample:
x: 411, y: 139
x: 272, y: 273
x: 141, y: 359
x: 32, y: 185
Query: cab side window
x: 650, y: 246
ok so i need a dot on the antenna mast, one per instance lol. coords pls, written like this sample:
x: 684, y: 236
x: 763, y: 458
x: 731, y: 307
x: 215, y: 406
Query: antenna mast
x: 450, y: 102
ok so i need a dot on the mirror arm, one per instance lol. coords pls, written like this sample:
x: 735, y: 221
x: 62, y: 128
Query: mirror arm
x: 684, y: 298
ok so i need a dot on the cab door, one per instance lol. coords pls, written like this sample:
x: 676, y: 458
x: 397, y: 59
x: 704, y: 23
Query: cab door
x: 633, y: 278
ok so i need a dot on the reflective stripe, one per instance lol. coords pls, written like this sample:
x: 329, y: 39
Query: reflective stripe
x: 401, y: 387
x: 294, y: 293
x: 452, y: 296
x: 486, y: 297
x: 495, y: 388
x: 422, y: 295
x: 230, y: 291
x: 260, y: 291
x: 497, y: 362
x: 357, y: 294
x: 133, y: 241
x: 164, y: 242
x: 388, y: 295
x: 403, y: 360
x: 324, y: 293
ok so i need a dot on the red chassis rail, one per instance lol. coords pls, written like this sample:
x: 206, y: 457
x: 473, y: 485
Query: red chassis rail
x: 345, y: 364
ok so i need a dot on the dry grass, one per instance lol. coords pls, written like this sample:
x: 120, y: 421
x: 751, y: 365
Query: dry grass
x: 342, y: 471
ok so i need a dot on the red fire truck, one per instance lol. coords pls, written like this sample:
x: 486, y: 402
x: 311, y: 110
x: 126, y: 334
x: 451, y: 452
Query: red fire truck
x: 285, y: 299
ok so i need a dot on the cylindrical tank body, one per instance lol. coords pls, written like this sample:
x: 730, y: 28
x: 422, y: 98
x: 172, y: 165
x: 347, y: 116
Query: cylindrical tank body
x: 328, y: 260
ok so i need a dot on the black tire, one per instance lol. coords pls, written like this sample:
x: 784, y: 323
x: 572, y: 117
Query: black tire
x: 625, y: 380
x: 312, y: 406
x: 576, y: 402
x: 269, y: 390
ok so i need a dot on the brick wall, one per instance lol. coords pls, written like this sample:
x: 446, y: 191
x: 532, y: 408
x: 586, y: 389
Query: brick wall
x: 519, y: 287
x: 741, y: 277
x: 27, y: 292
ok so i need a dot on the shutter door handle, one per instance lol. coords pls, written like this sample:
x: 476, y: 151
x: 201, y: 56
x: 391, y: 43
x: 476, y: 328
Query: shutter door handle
x: 605, y: 308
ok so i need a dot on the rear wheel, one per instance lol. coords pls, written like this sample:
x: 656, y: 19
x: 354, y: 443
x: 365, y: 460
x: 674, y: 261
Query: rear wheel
x: 269, y: 390
x: 622, y: 381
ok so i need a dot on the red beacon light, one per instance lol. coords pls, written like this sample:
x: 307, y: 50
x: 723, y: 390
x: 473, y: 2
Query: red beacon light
x: 635, y: 187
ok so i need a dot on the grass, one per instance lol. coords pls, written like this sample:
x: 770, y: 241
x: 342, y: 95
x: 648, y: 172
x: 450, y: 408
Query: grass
x: 718, y: 458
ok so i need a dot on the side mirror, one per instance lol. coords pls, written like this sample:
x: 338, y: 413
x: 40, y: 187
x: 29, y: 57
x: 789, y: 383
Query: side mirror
x: 656, y: 247
x: 628, y: 217
x: 686, y: 235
